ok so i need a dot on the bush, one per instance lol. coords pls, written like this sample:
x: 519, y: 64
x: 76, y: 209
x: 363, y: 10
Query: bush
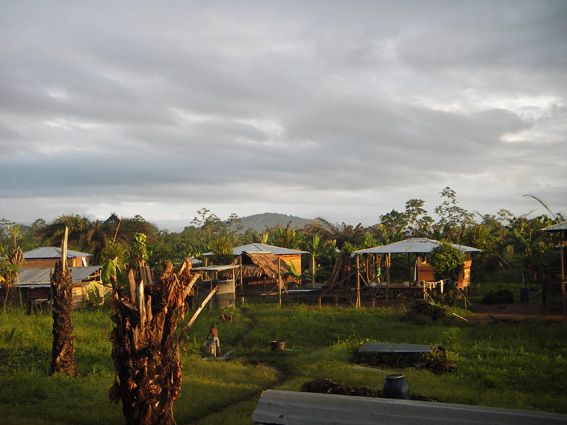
x: 447, y: 262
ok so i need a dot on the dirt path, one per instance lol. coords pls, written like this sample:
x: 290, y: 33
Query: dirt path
x: 514, y: 312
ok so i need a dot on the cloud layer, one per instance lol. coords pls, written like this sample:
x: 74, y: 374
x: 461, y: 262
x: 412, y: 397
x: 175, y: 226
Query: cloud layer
x: 337, y: 109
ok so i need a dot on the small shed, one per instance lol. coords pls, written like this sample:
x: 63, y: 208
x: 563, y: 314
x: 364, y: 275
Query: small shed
x: 48, y: 256
x: 224, y: 278
x: 35, y: 284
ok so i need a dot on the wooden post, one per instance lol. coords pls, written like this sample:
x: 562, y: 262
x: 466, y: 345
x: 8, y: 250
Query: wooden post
x: 562, y: 244
x: 357, y: 281
x: 279, y: 282
x: 211, y: 291
x: 241, y: 277
x: 388, y: 265
x: 198, y: 311
x: 313, y: 270
x: 64, y: 249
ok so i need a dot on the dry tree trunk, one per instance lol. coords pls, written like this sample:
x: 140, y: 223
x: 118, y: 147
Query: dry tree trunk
x: 62, y: 352
x: 145, y: 346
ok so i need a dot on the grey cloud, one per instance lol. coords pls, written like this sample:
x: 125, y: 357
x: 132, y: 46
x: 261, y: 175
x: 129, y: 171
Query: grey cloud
x: 320, y: 107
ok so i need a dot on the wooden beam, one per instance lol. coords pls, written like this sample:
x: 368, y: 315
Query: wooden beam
x: 64, y: 249
x: 279, y: 282
x: 357, y: 281
x: 198, y: 311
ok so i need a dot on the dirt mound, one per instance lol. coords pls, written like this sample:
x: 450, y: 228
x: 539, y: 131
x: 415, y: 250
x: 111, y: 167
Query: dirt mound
x: 326, y: 386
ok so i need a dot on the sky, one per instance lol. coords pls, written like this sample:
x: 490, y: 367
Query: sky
x: 343, y: 110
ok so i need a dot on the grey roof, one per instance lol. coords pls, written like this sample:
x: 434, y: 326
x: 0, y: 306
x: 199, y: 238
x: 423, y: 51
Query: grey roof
x: 259, y: 247
x: 412, y: 246
x: 556, y: 227
x: 303, y: 408
x: 216, y: 268
x: 52, y: 252
x: 383, y: 347
x: 37, y: 278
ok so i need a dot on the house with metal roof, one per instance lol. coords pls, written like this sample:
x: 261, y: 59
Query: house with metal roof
x: 413, y: 246
x: 48, y: 256
x: 422, y: 270
x: 35, y: 284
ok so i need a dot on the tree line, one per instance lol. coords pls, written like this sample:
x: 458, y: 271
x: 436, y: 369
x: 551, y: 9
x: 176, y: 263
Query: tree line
x: 506, y: 241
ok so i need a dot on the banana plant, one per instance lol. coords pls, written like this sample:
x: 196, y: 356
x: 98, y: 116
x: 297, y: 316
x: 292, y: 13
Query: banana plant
x: 535, y: 244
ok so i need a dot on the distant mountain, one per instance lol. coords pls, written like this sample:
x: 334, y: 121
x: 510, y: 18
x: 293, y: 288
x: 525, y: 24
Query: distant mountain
x: 259, y: 222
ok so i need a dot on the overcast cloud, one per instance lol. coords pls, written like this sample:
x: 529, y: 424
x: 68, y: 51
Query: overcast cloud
x: 340, y: 109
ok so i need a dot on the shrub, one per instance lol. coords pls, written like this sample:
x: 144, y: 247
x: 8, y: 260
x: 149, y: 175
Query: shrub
x: 447, y: 262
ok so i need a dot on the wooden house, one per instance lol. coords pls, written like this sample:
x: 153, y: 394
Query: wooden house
x: 425, y: 273
x: 34, y: 285
x: 422, y: 273
x: 48, y: 256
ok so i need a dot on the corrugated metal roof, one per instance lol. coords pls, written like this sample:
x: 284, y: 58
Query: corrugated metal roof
x: 556, y: 227
x: 42, y: 277
x: 216, y: 268
x: 52, y: 252
x: 302, y: 408
x: 412, y: 246
x: 259, y: 247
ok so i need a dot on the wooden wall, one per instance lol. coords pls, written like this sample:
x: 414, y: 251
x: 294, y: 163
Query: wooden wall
x: 292, y: 258
x: 38, y: 263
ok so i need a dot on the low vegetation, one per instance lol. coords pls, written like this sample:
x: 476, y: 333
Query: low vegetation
x: 512, y: 366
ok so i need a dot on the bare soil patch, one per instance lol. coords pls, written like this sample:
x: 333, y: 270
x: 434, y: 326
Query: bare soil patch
x: 514, y: 312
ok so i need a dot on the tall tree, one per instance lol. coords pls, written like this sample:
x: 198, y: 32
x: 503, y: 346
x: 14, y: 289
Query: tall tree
x: 534, y: 244
x: 77, y: 229
x: 453, y: 220
x: 418, y: 222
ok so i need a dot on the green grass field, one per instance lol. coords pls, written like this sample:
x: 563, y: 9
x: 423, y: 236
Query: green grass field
x: 519, y: 366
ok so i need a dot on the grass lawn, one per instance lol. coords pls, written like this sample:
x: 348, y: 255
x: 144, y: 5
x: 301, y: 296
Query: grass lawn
x: 520, y: 366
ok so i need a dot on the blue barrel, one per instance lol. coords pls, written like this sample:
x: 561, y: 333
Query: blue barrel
x: 525, y: 295
x: 396, y: 386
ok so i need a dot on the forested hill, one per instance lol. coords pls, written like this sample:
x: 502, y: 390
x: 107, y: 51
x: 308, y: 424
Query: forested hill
x: 259, y: 222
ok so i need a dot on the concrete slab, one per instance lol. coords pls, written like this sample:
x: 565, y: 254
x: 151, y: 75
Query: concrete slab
x: 297, y: 408
x: 381, y: 347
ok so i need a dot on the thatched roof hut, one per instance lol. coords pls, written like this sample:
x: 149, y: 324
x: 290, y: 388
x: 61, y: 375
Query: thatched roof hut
x: 263, y: 265
x: 260, y: 270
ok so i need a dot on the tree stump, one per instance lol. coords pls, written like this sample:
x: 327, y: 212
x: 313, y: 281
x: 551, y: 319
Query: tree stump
x: 62, y: 352
x: 145, y: 347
